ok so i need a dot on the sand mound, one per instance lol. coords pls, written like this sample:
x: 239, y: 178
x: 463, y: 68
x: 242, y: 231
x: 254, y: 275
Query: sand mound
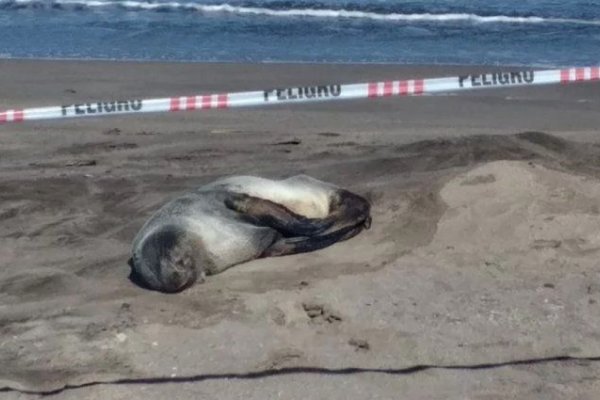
x: 483, y: 249
x: 508, y: 207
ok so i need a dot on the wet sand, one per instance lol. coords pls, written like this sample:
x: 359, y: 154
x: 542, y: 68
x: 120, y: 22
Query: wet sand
x: 478, y: 278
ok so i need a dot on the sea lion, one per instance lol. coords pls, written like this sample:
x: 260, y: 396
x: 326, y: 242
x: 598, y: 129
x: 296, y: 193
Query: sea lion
x: 239, y: 219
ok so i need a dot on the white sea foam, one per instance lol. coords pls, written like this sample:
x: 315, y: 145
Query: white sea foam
x: 301, y: 12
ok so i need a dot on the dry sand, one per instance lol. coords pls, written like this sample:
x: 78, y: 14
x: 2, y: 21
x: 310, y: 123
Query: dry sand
x: 478, y: 279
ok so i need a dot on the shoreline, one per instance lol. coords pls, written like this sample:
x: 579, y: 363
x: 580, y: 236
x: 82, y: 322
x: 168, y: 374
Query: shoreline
x: 287, y: 62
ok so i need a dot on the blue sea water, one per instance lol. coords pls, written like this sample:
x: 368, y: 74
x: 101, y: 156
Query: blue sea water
x: 492, y: 32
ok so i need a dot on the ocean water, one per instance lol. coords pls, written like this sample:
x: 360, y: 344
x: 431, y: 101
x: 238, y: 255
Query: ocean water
x: 539, y: 33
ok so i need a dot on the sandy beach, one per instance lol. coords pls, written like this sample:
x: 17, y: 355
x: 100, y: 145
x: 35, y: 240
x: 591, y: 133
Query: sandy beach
x: 477, y: 280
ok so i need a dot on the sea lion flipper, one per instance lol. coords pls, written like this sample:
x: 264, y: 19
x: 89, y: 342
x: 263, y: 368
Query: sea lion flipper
x: 296, y: 245
x: 348, y: 210
x: 267, y: 213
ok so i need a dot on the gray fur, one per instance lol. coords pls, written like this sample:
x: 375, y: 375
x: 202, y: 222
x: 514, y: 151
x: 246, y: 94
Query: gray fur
x: 238, y: 219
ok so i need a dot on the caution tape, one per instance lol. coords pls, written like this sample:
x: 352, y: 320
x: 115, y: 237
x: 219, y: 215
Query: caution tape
x: 306, y: 94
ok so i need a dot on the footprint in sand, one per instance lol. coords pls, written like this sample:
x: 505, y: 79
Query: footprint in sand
x: 359, y: 344
x: 321, y: 314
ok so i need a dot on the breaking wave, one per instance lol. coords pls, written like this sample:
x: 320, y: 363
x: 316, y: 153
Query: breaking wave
x: 307, y: 12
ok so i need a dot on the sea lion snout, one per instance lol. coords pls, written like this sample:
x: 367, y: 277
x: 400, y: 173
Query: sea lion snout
x: 178, y: 270
x: 167, y: 261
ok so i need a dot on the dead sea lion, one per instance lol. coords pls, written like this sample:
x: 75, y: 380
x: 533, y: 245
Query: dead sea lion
x: 238, y: 219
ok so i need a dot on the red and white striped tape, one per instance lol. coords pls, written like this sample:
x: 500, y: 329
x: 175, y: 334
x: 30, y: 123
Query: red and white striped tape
x: 11, y: 116
x: 304, y: 94
x: 579, y: 74
x: 190, y: 103
x: 396, y: 88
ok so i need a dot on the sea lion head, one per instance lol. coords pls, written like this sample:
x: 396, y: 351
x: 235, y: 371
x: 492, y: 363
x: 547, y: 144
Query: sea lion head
x: 167, y: 261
